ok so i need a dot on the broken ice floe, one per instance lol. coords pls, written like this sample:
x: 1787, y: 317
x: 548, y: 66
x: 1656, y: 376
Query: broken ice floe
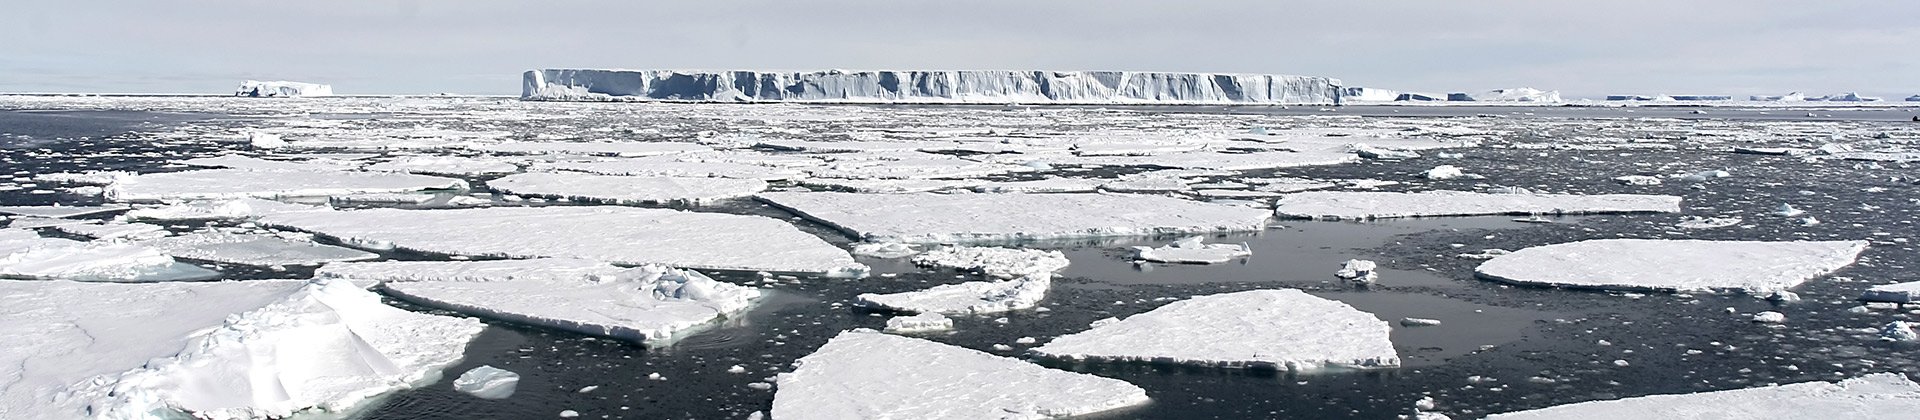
x: 26, y: 255
x: 1005, y: 263
x: 884, y: 249
x: 554, y: 270
x: 919, y: 323
x: 1192, y: 251
x: 445, y: 165
x: 487, y: 382
x: 231, y: 209
x: 1877, y: 396
x: 627, y: 189
x: 621, y: 235
x: 1673, y: 265
x: 646, y: 304
x: 236, y: 183
x: 1281, y: 329
x: 1907, y: 292
x: 1358, y: 271
x: 974, y: 297
x: 59, y: 212
x: 866, y: 374
x: 940, y: 218
x: 262, y: 250
x: 133, y: 231
x: 1695, y: 222
x: 1372, y: 205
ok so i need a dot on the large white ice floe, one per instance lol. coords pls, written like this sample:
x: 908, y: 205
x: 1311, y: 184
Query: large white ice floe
x: 1280, y: 329
x: 664, y: 167
x: 26, y: 255
x: 1907, y: 292
x: 646, y: 304
x: 263, y: 250
x: 885, y: 86
x: 551, y: 270
x: 621, y: 235
x: 1192, y: 250
x: 863, y: 374
x: 1006, y: 263
x: 974, y: 297
x: 59, y: 211
x: 1673, y: 265
x: 445, y: 165
x: 627, y: 189
x: 281, y: 89
x: 229, y: 209
x: 626, y: 149
x: 1881, y: 396
x: 237, y: 183
x: 955, y: 218
x: 1370, y: 205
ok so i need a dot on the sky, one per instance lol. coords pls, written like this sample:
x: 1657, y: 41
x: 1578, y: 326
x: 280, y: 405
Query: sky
x: 1581, y: 48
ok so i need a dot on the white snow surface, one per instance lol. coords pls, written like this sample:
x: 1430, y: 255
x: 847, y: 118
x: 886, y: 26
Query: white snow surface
x: 281, y: 89
x: 237, y: 183
x: 1755, y: 267
x: 627, y: 189
x: 646, y: 304
x: 962, y: 218
x: 445, y: 165
x: 231, y: 209
x: 263, y: 250
x: 1192, y: 250
x: 26, y: 255
x: 620, y: 235
x: 551, y: 270
x: 1375, y: 205
x: 1283, y: 328
x: 863, y: 374
x: 970, y: 86
x: 487, y: 382
x: 1881, y: 396
x: 919, y: 323
x: 974, y: 297
x: 1005, y: 263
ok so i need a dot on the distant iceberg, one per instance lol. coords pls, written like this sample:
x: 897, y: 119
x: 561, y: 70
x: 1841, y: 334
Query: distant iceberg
x: 1791, y: 97
x: 281, y: 89
x: 1846, y: 97
x: 1508, y: 95
x: 887, y: 86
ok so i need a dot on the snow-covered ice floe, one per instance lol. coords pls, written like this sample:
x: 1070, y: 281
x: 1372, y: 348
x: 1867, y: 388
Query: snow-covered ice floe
x: 1006, y: 263
x: 627, y: 189
x: 487, y: 382
x: 1283, y: 329
x: 1878, y: 396
x: 264, y: 250
x: 919, y: 323
x: 960, y: 218
x: 1756, y: 267
x: 974, y: 297
x: 236, y: 183
x: 1907, y: 292
x: 256, y: 349
x: 552, y: 270
x: 649, y: 304
x: 621, y: 235
x: 928, y: 86
x: 865, y: 374
x: 231, y: 209
x: 26, y: 255
x: 1374, y: 205
x: 445, y: 165
x: 1192, y: 251
x: 59, y: 211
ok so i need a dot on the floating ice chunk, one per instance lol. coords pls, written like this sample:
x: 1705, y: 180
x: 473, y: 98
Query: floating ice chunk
x: 955, y: 218
x: 627, y: 189
x: 1419, y: 322
x: 650, y: 304
x: 1050, y: 185
x: 552, y: 270
x: 1898, y: 292
x: 1191, y: 250
x: 1371, y: 152
x: 1444, y: 172
x: 919, y: 323
x: 26, y: 255
x: 1641, y: 180
x: 1282, y: 329
x: 1770, y: 317
x: 445, y: 165
x: 1877, y: 396
x: 116, y: 231
x: 1707, y: 222
x: 265, y: 140
x: 884, y: 249
x: 1673, y: 265
x: 281, y: 89
x: 327, y: 347
x: 263, y: 250
x: 1485, y: 254
x: 234, y: 209
x: 974, y: 297
x: 237, y: 183
x: 1899, y: 331
x: 82, y: 178
x: 59, y: 211
x: 487, y: 382
x: 620, y: 235
x: 1787, y: 210
x: 1370, y: 205
x: 1358, y: 271
x: 1702, y: 176
x: 866, y: 374
x: 1006, y: 263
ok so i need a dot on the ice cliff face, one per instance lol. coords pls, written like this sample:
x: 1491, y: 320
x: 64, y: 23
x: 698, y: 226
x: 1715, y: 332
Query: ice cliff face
x: 986, y: 86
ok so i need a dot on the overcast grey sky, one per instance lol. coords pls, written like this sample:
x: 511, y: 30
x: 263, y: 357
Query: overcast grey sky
x: 1582, y: 48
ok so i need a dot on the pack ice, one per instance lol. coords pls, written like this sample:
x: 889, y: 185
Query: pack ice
x: 26, y: 255
x: 238, y: 183
x: 863, y: 374
x: 1379, y: 205
x: 264, y: 250
x: 229, y: 209
x: 959, y: 218
x: 445, y: 165
x: 255, y: 349
x: 550, y: 270
x: 1192, y: 250
x: 627, y: 189
x: 1673, y: 265
x: 1881, y: 396
x: 1282, y: 329
x: 928, y: 86
x: 620, y: 235
x: 646, y: 304
x: 1006, y: 263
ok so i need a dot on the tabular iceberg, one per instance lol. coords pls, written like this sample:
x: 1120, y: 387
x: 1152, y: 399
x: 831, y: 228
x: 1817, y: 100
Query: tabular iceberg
x: 279, y: 89
x: 966, y: 86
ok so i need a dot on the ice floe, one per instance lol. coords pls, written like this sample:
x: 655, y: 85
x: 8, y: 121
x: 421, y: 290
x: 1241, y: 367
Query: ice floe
x: 884, y: 249
x: 1279, y: 329
x: 487, y: 382
x: 1005, y: 263
x: 1673, y: 265
x: 1358, y: 271
x: 1907, y: 292
x: 236, y: 183
x: 59, y: 211
x: 552, y: 270
x: 867, y: 374
x: 627, y: 189
x: 262, y: 250
x: 445, y: 165
x: 116, y: 231
x: 956, y: 218
x: 1371, y: 205
x: 1878, y: 396
x: 974, y: 297
x: 1193, y: 251
x: 26, y: 255
x: 621, y: 235
x: 646, y: 304
x: 919, y: 323
x: 232, y: 209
